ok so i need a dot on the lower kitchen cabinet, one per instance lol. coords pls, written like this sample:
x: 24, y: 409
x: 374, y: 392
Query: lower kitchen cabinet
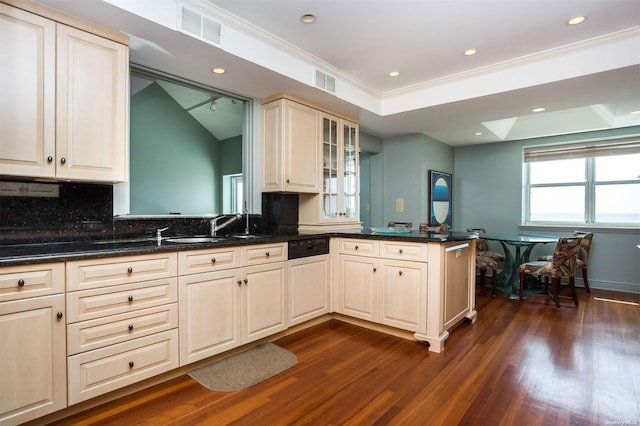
x: 226, y: 308
x: 403, y: 294
x: 33, y: 374
x: 209, y: 314
x: 358, y: 287
x: 309, y: 289
x: 96, y: 372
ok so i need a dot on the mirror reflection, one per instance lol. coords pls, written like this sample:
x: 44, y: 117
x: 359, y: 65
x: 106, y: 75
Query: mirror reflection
x: 185, y: 148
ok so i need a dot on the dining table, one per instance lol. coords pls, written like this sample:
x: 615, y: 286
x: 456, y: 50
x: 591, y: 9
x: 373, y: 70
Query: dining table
x: 522, y: 244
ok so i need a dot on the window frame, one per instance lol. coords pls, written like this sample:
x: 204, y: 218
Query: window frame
x: 588, y: 152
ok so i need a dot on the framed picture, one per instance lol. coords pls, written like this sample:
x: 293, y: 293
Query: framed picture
x: 440, y: 198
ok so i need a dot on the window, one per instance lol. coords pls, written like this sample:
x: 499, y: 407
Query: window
x: 584, y: 183
x: 232, y: 194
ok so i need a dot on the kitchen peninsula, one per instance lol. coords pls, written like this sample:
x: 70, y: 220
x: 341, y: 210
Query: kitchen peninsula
x: 134, y: 311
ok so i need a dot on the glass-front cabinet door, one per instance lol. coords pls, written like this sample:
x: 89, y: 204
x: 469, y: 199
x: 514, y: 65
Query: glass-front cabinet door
x: 330, y: 168
x: 350, y: 201
x: 340, y: 167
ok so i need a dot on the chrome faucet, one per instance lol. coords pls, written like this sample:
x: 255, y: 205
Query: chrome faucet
x: 215, y: 227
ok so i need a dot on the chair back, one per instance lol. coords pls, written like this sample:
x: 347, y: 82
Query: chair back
x: 443, y: 228
x: 481, y: 244
x: 564, y: 257
x: 400, y: 225
x: 585, y: 245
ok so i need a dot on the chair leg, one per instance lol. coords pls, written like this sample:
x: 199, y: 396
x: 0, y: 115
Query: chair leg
x: 483, y: 272
x: 546, y: 284
x: 572, y: 285
x: 494, y: 282
x: 555, y: 282
x: 521, y: 285
x: 586, y: 281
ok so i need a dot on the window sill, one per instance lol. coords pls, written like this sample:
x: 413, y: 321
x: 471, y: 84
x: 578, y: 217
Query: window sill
x: 625, y: 229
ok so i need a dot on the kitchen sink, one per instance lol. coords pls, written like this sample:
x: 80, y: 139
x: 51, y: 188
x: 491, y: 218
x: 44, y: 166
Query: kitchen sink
x: 193, y: 240
x: 246, y: 236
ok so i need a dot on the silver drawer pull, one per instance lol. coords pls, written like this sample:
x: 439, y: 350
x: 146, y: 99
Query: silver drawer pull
x: 130, y: 327
x: 131, y: 364
x: 267, y: 254
x: 20, y: 283
x: 400, y: 251
x: 129, y: 270
x: 213, y: 260
x: 130, y: 298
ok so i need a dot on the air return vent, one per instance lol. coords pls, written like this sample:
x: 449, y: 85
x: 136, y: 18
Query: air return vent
x: 200, y: 26
x: 325, y: 81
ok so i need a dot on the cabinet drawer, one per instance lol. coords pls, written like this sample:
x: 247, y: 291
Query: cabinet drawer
x: 103, y: 370
x: 100, y: 302
x: 100, y: 332
x: 403, y: 251
x: 254, y: 255
x: 21, y: 282
x: 360, y: 247
x: 94, y: 273
x: 192, y: 262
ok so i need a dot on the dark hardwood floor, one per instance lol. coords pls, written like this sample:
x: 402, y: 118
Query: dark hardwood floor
x: 521, y: 363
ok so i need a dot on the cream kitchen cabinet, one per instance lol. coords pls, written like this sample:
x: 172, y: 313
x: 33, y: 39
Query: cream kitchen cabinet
x: 336, y: 206
x: 384, y: 282
x: 33, y: 373
x: 229, y: 297
x: 122, y: 322
x: 309, y: 288
x: 291, y: 153
x: 64, y: 111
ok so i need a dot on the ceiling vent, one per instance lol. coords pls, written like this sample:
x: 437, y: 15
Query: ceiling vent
x: 200, y: 26
x: 325, y: 81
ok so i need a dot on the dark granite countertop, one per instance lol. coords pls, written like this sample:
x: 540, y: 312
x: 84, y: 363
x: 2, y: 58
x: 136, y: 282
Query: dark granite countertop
x: 42, y: 252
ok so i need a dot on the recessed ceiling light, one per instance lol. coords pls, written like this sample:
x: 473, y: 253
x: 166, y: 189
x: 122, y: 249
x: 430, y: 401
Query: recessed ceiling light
x: 635, y: 112
x: 577, y: 20
x: 478, y: 133
x: 470, y: 52
x: 308, y: 18
x: 539, y: 109
x: 394, y: 74
x: 218, y: 70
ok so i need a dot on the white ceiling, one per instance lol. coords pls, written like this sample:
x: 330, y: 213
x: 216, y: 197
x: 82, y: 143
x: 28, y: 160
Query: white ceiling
x: 586, y: 76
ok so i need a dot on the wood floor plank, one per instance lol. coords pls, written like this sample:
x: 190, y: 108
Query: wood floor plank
x: 521, y: 362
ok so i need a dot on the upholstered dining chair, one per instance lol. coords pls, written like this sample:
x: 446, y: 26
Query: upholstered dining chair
x: 425, y: 228
x: 582, y: 258
x: 400, y: 224
x: 563, y: 264
x: 486, y: 260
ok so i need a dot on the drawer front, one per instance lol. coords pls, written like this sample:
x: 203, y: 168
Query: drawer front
x: 95, y: 273
x: 20, y: 282
x: 360, y: 247
x: 103, y: 370
x: 263, y: 253
x: 403, y: 251
x: 96, y: 303
x: 93, y: 334
x: 193, y: 262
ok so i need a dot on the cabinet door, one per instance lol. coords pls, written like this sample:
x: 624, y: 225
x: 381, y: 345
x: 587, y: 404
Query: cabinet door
x: 403, y: 295
x: 209, y: 314
x: 91, y: 106
x: 27, y: 84
x: 358, y: 287
x: 301, y: 150
x: 291, y: 147
x: 308, y: 288
x: 33, y: 374
x: 264, y: 300
x: 350, y: 185
x: 457, y: 292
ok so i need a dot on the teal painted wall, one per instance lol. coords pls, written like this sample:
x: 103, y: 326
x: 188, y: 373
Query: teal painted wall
x: 165, y: 143
x: 488, y: 194
x: 406, y: 162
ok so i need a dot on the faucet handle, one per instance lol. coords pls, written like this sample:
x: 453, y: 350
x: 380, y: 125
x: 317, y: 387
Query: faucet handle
x: 159, y: 232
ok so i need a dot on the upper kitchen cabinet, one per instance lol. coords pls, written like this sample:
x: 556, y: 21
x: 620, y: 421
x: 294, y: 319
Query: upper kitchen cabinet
x: 291, y: 150
x: 336, y: 206
x: 64, y: 87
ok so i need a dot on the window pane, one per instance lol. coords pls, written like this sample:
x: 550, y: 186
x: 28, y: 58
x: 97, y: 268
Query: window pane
x: 559, y: 171
x: 618, y: 167
x: 618, y: 203
x: 559, y: 204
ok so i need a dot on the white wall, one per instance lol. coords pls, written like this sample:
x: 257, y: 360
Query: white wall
x: 487, y: 193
